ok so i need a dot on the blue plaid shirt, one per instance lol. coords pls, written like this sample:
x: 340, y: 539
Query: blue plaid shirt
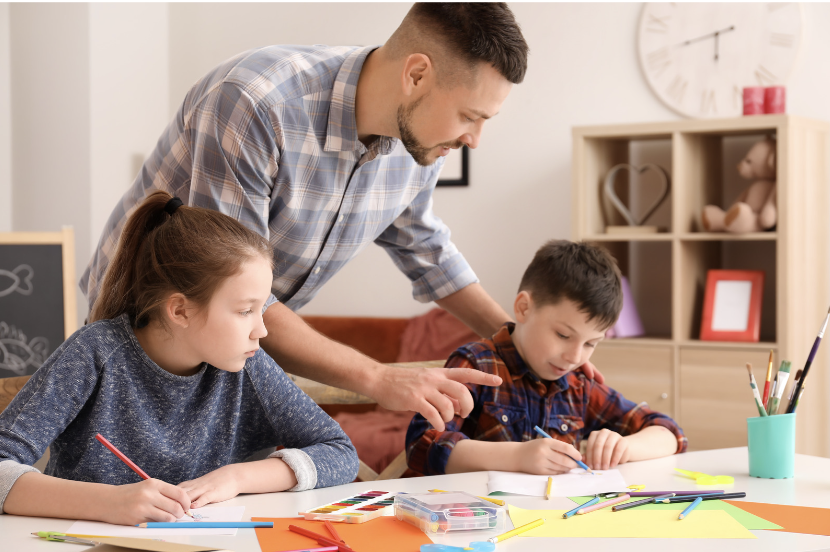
x: 270, y: 138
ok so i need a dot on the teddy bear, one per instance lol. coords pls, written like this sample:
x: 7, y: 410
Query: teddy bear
x: 755, y: 209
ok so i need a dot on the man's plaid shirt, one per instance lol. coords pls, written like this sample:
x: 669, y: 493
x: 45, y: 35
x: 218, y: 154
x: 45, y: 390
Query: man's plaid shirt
x: 568, y: 409
x: 270, y: 138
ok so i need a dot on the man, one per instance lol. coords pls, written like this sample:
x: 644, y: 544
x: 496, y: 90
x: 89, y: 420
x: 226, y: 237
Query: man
x: 325, y: 149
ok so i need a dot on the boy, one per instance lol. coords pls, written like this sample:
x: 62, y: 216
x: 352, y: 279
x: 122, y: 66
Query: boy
x: 569, y: 296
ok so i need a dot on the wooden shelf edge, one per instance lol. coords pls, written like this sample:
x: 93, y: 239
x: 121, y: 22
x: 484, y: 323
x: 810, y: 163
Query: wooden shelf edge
x: 685, y: 236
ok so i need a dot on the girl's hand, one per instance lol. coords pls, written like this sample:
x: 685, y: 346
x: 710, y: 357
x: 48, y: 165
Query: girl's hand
x: 149, y: 500
x: 216, y: 486
x: 606, y: 449
x: 546, y: 457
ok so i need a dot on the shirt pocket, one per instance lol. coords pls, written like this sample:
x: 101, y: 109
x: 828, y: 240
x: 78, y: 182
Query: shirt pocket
x: 566, y: 428
x: 501, y: 423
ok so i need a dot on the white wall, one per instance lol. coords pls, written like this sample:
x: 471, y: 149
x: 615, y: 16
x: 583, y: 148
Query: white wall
x: 5, y: 122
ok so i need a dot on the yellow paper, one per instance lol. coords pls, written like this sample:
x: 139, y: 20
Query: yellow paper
x: 663, y: 524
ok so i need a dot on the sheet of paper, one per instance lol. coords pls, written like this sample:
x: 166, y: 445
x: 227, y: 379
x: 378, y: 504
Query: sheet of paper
x: 128, y: 544
x: 208, y: 513
x: 792, y: 519
x: 372, y: 536
x: 714, y: 524
x: 746, y: 519
x: 576, y: 483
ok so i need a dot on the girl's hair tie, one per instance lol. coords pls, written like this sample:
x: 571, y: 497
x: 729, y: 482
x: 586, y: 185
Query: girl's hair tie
x: 171, y: 206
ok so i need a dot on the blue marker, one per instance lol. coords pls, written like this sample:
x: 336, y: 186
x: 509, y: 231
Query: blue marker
x: 591, y: 502
x: 582, y: 465
x: 690, y: 507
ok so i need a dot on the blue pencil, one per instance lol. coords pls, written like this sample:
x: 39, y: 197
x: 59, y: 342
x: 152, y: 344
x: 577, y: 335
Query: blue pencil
x: 206, y: 524
x: 690, y: 507
x: 582, y: 465
x: 591, y: 502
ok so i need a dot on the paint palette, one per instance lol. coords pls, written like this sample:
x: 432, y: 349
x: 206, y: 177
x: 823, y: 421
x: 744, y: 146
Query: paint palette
x: 355, y: 509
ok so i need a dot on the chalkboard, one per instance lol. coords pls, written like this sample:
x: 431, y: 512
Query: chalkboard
x: 37, y: 298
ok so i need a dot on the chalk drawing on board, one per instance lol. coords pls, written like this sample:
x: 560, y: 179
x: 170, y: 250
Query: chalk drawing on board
x: 17, y: 354
x: 19, y: 280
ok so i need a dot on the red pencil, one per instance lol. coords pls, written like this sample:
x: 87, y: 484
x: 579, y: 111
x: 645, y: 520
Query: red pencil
x: 130, y: 464
x: 320, y: 538
x: 765, y: 396
x: 333, y: 532
x: 120, y: 455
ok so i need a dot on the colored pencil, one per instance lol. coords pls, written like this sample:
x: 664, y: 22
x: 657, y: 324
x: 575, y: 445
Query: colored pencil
x: 62, y: 537
x: 487, y: 498
x: 781, y: 382
x: 800, y: 383
x: 602, y: 505
x: 755, y: 393
x: 718, y: 496
x: 768, y: 381
x: 517, y: 531
x: 550, y: 484
x: 333, y: 531
x: 690, y: 507
x: 582, y: 465
x: 675, y: 493
x: 323, y: 549
x: 320, y: 538
x: 570, y: 513
x: 636, y: 503
x: 206, y: 524
x: 130, y: 464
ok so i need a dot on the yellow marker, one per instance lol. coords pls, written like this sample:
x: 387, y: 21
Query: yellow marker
x: 487, y: 498
x: 518, y: 530
x: 547, y: 492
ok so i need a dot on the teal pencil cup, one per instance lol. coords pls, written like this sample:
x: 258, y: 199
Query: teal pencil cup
x: 771, y: 443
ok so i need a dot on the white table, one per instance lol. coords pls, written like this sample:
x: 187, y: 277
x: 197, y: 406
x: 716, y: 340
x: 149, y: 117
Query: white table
x: 810, y: 487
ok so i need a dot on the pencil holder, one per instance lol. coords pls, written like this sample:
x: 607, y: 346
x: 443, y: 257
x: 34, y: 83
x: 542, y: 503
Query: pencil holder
x: 771, y: 443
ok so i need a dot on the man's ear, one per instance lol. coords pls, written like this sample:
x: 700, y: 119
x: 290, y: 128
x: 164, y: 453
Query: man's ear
x: 522, y: 306
x: 417, y: 74
x: 178, y: 310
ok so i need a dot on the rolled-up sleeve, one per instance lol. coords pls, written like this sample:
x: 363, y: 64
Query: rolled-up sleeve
x: 419, y: 244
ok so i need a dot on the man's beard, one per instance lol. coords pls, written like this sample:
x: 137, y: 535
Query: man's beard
x: 418, y: 151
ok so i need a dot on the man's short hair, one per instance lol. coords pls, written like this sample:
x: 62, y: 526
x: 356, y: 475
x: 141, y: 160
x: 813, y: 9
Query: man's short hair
x: 582, y: 273
x: 458, y: 35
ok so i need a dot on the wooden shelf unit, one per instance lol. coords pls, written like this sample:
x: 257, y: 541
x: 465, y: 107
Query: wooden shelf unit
x: 702, y: 384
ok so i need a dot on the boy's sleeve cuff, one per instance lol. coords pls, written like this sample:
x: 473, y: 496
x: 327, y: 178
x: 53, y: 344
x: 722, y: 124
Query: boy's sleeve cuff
x: 439, y: 452
x: 9, y: 472
x: 303, y: 466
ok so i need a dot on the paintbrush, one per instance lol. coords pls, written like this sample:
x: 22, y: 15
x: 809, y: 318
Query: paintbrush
x: 755, y: 393
x: 800, y: 383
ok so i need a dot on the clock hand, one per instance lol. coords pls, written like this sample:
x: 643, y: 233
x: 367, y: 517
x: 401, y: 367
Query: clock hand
x: 709, y: 35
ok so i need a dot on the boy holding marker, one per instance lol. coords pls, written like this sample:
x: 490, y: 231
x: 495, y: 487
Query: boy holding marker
x: 569, y: 296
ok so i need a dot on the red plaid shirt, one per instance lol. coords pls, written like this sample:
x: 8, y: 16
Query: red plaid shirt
x: 569, y: 408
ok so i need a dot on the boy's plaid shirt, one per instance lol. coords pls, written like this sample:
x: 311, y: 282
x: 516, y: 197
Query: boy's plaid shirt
x: 569, y: 409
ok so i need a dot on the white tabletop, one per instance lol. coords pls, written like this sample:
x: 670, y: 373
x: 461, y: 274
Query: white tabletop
x: 810, y: 487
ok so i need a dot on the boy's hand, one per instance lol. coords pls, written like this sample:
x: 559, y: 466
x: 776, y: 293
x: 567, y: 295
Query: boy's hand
x: 546, y: 457
x: 149, y: 500
x: 606, y: 449
x: 216, y: 486
x: 591, y: 372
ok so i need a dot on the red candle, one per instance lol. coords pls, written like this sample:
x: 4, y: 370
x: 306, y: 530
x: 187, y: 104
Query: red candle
x: 775, y: 99
x: 753, y: 100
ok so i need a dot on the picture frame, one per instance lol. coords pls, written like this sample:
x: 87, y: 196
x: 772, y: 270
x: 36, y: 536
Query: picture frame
x: 732, y: 305
x: 455, y: 170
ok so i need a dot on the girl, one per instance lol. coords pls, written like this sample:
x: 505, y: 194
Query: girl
x: 170, y: 371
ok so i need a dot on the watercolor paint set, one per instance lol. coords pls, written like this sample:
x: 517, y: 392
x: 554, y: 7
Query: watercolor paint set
x: 355, y: 509
x: 449, y: 511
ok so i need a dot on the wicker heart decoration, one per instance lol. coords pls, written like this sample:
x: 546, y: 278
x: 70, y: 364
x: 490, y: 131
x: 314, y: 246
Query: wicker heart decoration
x: 611, y: 193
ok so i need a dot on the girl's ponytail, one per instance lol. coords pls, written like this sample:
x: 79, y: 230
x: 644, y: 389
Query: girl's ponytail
x: 166, y: 248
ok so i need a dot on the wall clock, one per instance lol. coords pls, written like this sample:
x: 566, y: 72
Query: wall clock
x: 698, y: 57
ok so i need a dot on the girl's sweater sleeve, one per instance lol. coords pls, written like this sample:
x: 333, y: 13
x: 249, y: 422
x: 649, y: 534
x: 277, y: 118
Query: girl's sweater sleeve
x: 48, y: 403
x: 316, y: 448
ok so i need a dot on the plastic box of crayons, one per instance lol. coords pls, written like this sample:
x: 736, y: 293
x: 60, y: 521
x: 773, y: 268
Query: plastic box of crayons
x: 451, y: 511
x: 355, y: 509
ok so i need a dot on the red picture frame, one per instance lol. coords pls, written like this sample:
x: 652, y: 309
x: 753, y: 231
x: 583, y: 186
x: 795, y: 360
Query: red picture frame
x: 732, y: 305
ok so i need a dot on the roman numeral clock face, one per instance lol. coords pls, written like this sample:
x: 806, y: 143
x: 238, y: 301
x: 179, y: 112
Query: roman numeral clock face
x: 697, y: 57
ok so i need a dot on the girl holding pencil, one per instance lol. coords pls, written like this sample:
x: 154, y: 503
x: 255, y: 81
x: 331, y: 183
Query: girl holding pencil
x: 170, y: 371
